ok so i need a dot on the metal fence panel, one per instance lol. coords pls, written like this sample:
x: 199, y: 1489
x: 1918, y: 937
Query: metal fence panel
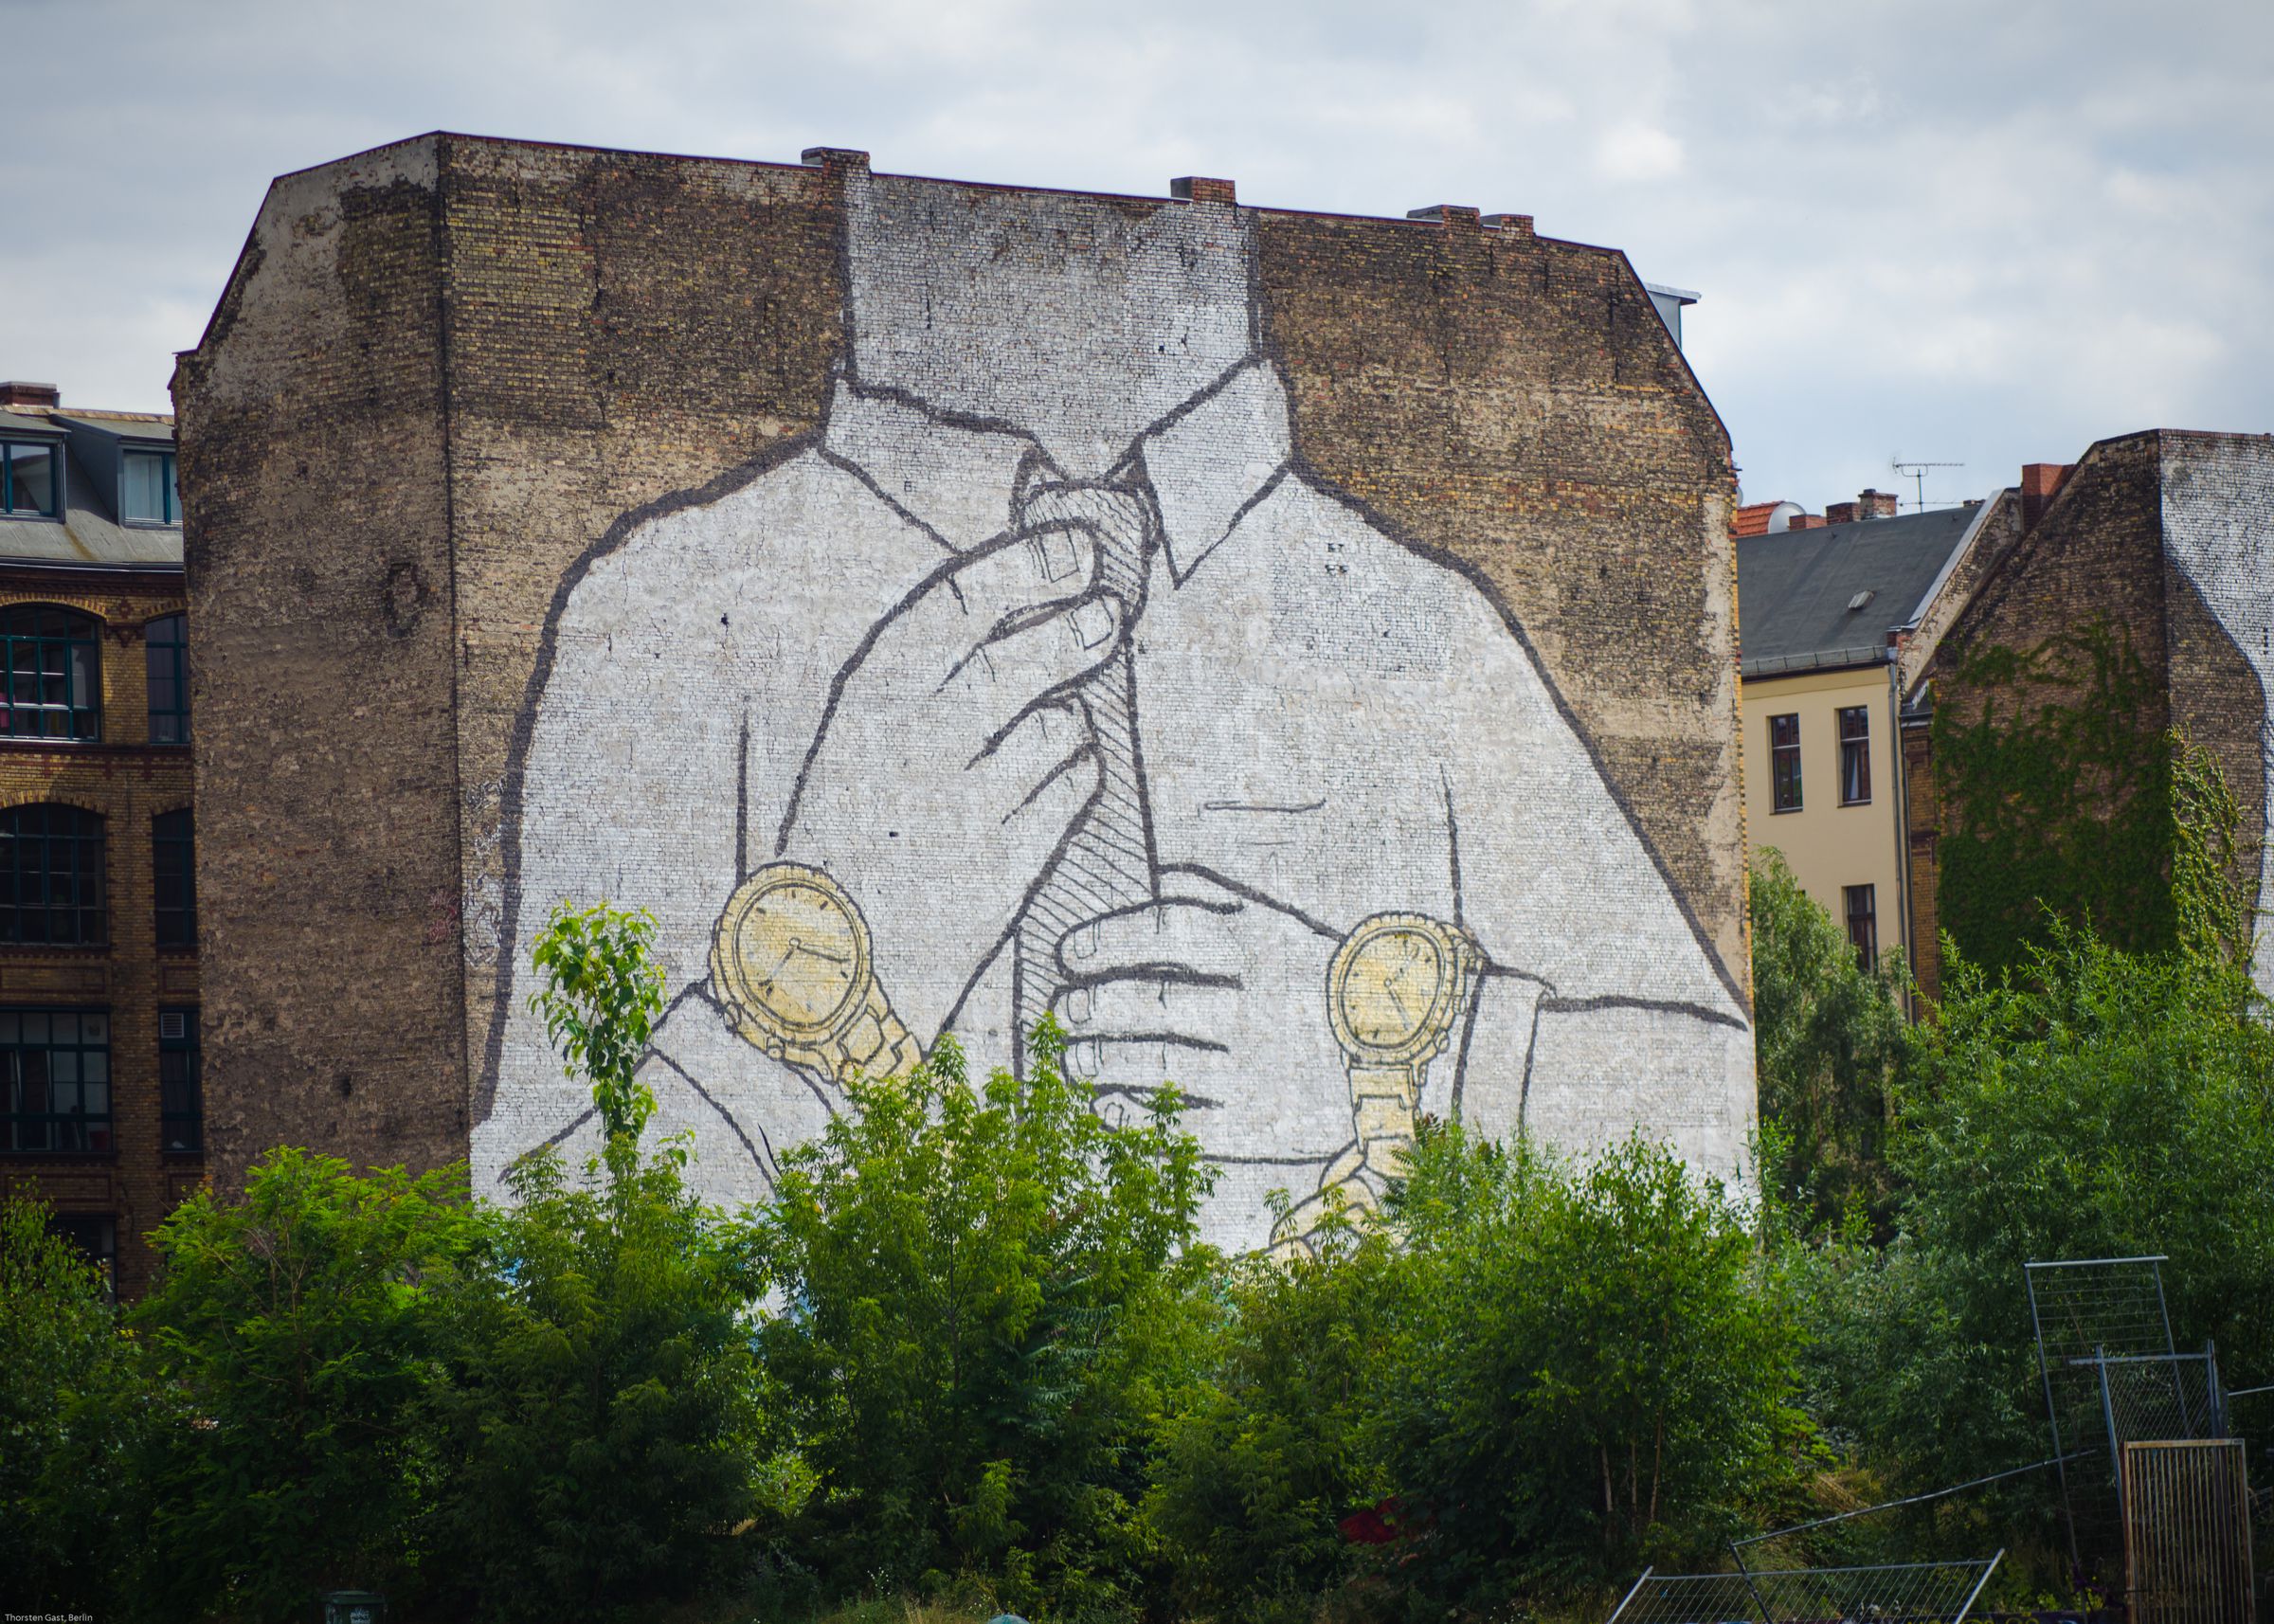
x: 1903, y: 1593
x: 2187, y: 1532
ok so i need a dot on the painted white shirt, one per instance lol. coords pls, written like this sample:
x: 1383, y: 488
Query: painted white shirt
x: 1331, y: 724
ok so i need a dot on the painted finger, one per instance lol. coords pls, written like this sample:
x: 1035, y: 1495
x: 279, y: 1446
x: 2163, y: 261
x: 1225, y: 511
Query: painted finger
x: 1008, y: 582
x: 1047, y: 760
x: 1200, y: 937
x: 999, y: 679
x: 1144, y: 1064
x: 1182, y: 1006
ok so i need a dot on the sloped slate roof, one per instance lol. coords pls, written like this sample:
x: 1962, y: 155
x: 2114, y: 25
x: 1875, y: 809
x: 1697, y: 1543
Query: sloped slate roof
x: 1793, y: 589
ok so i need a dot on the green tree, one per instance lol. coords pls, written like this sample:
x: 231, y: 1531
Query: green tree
x: 291, y: 1356
x: 1259, y: 1467
x: 1596, y: 1370
x: 606, y: 1414
x: 1830, y: 1042
x: 602, y: 993
x: 61, y: 1464
x: 975, y: 1281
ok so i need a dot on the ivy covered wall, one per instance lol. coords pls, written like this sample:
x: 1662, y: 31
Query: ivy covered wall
x: 2055, y: 787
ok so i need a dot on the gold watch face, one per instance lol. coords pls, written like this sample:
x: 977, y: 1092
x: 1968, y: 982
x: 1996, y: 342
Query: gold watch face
x: 1391, y: 987
x: 792, y: 947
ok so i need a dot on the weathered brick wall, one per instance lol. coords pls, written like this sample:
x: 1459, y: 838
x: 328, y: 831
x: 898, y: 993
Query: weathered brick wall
x: 313, y: 439
x: 2162, y: 537
x: 2217, y: 521
x: 564, y: 347
x: 126, y: 782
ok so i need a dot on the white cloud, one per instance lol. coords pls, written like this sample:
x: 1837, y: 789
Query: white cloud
x: 1637, y: 153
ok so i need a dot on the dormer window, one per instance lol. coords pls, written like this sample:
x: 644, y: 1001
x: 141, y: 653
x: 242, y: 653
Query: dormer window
x: 32, y: 483
x: 147, y: 493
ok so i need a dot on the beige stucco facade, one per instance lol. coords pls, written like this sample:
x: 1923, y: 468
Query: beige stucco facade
x: 1829, y: 845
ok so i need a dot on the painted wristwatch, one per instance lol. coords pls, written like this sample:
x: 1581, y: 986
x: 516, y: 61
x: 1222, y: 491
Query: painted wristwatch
x: 789, y: 958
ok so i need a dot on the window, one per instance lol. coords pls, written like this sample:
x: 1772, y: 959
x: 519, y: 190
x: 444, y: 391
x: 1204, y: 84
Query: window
x: 1855, y: 756
x: 52, y: 891
x: 1784, y: 762
x: 96, y: 1235
x: 181, y: 1084
x: 55, y: 1067
x: 173, y: 878
x: 1863, y: 923
x: 147, y: 493
x: 54, y: 687
x: 166, y: 650
x: 31, y: 482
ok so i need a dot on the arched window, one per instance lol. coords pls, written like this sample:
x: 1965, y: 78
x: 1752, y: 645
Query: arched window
x: 166, y: 647
x: 51, y: 877
x: 54, y: 673
x: 173, y: 878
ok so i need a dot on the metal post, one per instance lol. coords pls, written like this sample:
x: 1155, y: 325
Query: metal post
x: 2069, y: 1511
x: 2218, y: 1396
x: 1746, y: 1573
x: 2116, y: 1445
x: 1967, y: 1605
x: 1630, y: 1595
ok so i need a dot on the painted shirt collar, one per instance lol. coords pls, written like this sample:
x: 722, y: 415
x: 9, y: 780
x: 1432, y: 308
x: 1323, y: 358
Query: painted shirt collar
x: 1207, y: 462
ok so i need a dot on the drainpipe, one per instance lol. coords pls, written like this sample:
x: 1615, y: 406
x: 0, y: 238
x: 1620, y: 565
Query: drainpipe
x: 1903, y: 810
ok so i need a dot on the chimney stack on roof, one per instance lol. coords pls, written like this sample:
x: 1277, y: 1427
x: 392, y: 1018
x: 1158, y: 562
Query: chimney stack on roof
x: 1806, y: 521
x: 15, y: 393
x: 1876, y: 504
x: 2040, y: 484
x: 1841, y: 513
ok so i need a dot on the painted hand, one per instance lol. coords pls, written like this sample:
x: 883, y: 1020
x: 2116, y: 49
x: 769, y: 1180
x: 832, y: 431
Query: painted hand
x: 1226, y: 999
x: 950, y: 763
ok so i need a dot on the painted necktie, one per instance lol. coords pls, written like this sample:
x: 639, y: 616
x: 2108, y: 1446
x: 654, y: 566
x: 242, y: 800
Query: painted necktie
x: 1106, y: 863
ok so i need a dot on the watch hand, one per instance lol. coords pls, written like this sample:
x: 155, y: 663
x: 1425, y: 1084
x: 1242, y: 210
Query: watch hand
x: 797, y: 946
x: 1390, y: 992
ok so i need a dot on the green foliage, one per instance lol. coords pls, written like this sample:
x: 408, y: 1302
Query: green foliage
x: 604, y: 1410
x: 2057, y: 798
x: 976, y: 1280
x: 1830, y: 1042
x: 1595, y: 1369
x: 602, y: 993
x: 291, y: 1353
x: 2090, y: 1103
x: 1268, y: 1454
x: 59, y: 1350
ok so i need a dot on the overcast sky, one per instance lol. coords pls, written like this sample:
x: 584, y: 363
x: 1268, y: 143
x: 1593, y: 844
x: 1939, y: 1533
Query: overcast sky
x: 1954, y: 230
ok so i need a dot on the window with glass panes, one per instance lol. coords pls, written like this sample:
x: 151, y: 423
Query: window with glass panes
x: 166, y: 652
x: 173, y: 876
x: 181, y: 1085
x: 1863, y: 923
x: 54, y: 673
x: 55, y: 1067
x: 1784, y: 764
x: 31, y: 480
x: 51, y: 877
x: 147, y: 493
x: 1855, y: 755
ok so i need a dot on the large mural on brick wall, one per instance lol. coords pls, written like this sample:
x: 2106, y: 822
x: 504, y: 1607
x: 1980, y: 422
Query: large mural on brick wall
x: 2218, y: 530
x: 1045, y: 678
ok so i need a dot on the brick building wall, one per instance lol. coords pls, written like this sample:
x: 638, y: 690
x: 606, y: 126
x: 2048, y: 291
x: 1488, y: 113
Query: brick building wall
x: 2100, y: 552
x: 126, y: 780
x: 463, y: 395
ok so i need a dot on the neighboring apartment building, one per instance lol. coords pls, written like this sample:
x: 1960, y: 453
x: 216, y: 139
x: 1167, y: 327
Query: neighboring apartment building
x: 1836, y: 615
x: 2138, y: 597
x: 99, y: 993
x: 595, y: 518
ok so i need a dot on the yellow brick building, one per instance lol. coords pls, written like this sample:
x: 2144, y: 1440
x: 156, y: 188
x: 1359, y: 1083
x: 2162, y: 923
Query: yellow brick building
x: 101, y: 1110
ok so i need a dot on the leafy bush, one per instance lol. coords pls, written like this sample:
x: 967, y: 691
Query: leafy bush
x: 1595, y: 1369
x: 1830, y: 1043
x: 59, y: 1465
x: 292, y: 1355
x: 1270, y: 1453
x: 975, y: 1281
x: 603, y: 1413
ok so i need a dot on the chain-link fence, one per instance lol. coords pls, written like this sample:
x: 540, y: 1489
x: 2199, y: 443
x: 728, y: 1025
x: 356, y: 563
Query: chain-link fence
x: 1901, y: 1592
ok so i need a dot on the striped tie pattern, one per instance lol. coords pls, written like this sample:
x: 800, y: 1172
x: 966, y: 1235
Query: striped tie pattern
x: 1106, y: 863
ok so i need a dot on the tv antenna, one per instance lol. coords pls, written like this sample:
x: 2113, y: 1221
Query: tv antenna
x: 1916, y: 474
